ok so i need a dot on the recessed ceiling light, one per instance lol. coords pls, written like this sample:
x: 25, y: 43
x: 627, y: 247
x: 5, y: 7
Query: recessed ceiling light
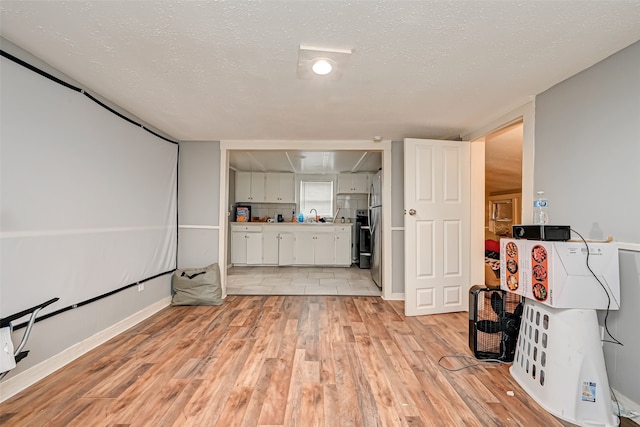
x: 322, y: 66
x: 322, y: 63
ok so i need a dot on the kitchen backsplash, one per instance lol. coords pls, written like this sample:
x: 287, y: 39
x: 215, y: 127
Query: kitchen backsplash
x: 350, y: 203
x: 272, y: 210
x: 347, y: 203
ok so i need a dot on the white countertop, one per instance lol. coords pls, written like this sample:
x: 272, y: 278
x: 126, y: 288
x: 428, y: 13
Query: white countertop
x: 298, y: 224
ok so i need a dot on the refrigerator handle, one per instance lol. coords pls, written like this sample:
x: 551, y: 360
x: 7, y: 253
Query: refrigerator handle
x: 369, y: 200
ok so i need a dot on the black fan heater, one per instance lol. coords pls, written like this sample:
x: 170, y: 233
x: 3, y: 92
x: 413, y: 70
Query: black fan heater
x: 494, y: 323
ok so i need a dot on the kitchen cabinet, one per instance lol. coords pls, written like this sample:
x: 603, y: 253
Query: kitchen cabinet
x: 250, y: 187
x: 286, y: 253
x: 304, y: 248
x: 279, y: 188
x: 324, y: 249
x: 318, y: 247
x: 246, y: 245
x: 290, y: 244
x: 353, y: 183
x: 270, y: 243
x: 343, y: 246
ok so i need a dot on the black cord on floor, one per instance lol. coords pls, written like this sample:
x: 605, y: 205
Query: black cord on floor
x: 484, y: 362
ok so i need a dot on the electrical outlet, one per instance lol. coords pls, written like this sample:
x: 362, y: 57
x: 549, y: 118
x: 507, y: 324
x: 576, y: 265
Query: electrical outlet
x: 140, y: 287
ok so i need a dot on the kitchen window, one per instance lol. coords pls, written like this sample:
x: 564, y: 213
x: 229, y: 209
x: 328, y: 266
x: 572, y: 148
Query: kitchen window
x: 316, y: 195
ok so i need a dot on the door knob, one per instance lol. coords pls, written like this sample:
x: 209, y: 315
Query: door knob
x: 412, y: 212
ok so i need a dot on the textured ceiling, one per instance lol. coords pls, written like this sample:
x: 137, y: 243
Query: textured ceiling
x: 227, y: 70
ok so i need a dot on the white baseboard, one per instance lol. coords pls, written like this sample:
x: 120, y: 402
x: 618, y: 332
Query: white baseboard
x: 396, y: 296
x: 627, y: 404
x: 21, y: 381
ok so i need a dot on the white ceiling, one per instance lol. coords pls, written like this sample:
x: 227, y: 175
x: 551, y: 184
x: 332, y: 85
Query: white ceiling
x: 306, y: 162
x: 205, y: 70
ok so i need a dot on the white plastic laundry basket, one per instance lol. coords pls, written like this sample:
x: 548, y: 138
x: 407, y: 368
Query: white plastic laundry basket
x: 559, y: 362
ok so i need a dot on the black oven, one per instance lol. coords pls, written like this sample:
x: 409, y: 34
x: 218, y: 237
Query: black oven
x: 364, y: 240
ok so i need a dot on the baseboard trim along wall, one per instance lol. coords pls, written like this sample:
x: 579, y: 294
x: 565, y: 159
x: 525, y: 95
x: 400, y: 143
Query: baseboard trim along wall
x: 396, y: 296
x: 21, y: 381
x: 626, y: 406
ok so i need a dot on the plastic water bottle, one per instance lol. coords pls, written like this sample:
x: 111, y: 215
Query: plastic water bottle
x: 540, y: 206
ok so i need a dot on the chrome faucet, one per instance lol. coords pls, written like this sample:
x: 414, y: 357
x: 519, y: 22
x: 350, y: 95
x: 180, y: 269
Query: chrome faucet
x: 315, y: 218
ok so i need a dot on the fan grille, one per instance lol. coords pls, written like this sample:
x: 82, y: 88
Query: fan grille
x: 486, y: 343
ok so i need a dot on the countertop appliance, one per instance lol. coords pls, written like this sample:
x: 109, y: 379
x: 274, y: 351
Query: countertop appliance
x: 375, y: 227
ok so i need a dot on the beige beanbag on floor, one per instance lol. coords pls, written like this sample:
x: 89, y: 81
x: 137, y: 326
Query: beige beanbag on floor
x: 197, y: 286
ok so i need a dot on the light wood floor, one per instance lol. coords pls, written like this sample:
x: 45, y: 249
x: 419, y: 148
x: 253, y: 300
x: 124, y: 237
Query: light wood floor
x: 280, y: 361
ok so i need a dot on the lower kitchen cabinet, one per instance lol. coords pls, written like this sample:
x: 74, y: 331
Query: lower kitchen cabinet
x: 286, y: 249
x: 320, y: 248
x: 291, y: 245
x: 343, y: 248
x: 303, y: 248
x: 246, y: 245
x: 270, y: 242
x: 324, y: 249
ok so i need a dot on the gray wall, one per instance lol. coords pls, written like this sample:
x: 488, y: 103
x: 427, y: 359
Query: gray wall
x: 53, y: 335
x: 587, y: 160
x: 198, y: 203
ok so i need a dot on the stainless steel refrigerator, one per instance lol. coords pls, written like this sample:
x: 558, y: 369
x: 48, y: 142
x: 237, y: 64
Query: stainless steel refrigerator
x: 375, y: 227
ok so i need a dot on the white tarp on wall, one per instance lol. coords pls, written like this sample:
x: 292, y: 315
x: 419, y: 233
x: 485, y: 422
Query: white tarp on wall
x: 88, y: 200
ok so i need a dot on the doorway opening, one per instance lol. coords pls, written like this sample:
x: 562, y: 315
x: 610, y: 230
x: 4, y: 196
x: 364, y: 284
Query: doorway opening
x: 228, y: 147
x: 524, y: 115
x: 503, y: 193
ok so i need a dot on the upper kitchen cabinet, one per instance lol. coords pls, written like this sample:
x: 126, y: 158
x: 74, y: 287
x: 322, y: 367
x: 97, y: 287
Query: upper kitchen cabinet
x: 280, y: 188
x: 250, y: 187
x: 350, y: 183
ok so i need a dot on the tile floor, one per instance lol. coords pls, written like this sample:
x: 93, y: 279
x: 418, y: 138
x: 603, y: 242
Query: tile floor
x: 260, y: 280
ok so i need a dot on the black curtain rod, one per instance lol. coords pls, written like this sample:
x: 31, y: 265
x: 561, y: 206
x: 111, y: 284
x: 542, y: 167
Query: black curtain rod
x: 89, y: 301
x: 82, y: 91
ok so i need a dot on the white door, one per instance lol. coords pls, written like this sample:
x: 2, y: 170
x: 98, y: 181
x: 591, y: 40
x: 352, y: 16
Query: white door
x: 437, y: 230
